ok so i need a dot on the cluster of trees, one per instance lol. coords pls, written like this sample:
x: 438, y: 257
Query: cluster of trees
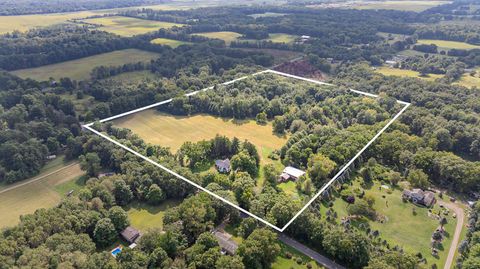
x: 441, y: 126
x: 19, y: 7
x: 34, y: 124
x: 429, y: 64
x: 470, y: 247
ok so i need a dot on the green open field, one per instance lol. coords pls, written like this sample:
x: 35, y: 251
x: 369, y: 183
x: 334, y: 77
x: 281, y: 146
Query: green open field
x: 470, y: 81
x: 144, y: 217
x: 281, y: 38
x: 172, y: 131
x: 169, y: 42
x: 404, y: 5
x: 80, y: 69
x: 43, y: 193
x: 444, y: 44
x: 401, y: 227
x: 267, y: 14
x: 126, y: 26
x: 228, y: 37
x: 388, y: 71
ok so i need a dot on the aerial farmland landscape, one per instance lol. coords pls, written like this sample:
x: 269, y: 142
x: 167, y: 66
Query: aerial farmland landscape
x: 214, y: 134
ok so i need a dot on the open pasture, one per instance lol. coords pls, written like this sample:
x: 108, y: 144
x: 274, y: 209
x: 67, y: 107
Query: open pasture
x: 470, y: 81
x: 444, y: 44
x: 169, y: 42
x: 226, y: 36
x: 43, y: 193
x: 389, y: 71
x: 126, y: 26
x: 172, y: 131
x: 402, y: 5
x: 80, y: 69
x: 267, y: 15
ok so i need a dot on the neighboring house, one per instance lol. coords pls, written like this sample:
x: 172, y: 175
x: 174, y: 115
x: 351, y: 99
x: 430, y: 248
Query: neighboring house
x: 130, y: 234
x: 290, y: 173
x: 417, y: 196
x: 51, y: 157
x: 225, y: 242
x: 108, y: 174
x: 223, y: 166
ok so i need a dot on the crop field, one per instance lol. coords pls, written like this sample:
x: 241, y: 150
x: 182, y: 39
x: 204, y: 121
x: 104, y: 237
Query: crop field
x: 44, y: 193
x: 172, y: 131
x: 80, y: 69
x: 144, y: 217
x: 402, y: 227
x: 444, y: 44
x: 282, y: 38
x: 228, y: 37
x: 388, y: 71
x: 126, y: 26
x: 403, y: 5
x: 169, y: 42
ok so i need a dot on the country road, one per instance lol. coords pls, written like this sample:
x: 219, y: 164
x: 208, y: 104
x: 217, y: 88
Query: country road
x: 458, y: 230
x: 326, y: 262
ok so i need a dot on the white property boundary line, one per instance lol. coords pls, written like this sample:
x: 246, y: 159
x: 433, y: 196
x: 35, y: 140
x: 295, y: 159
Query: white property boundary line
x: 329, y: 183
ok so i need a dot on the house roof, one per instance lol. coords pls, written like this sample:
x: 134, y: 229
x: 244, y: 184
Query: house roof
x: 223, y: 164
x: 294, y: 172
x: 130, y: 234
x: 225, y: 242
x: 429, y: 198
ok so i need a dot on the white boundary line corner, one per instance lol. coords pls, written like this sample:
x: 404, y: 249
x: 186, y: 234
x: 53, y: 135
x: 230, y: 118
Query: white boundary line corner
x: 325, y: 187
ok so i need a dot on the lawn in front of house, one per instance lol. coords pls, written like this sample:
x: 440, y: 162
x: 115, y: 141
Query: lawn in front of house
x: 291, y: 258
x: 80, y: 69
x: 143, y: 216
x: 127, y: 26
x: 390, y: 71
x: 400, y: 225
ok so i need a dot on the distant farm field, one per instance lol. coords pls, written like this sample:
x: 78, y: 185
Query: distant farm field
x: 126, y: 26
x: 169, y: 42
x: 470, y: 81
x: 448, y: 44
x: 172, y: 131
x: 406, y: 5
x: 267, y: 14
x: 228, y: 37
x: 44, y: 193
x: 80, y: 69
x: 388, y: 71
x: 282, y: 38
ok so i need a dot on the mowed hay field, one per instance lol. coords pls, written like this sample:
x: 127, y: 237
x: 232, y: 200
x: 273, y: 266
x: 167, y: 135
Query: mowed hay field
x: 388, y: 71
x: 405, y: 5
x: 172, y: 131
x: 44, y: 193
x: 444, y: 44
x: 169, y: 42
x: 80, y: 69
x: 228, y: 37
x: 126, y: 26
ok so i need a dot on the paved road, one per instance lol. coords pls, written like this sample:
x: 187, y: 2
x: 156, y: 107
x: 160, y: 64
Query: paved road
x: 458, y: 229
x: 36, y: 178
x: 309, y: 252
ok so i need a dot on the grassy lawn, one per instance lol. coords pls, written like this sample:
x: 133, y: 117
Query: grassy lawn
x: 290, y: 189
x: 169, y: 42
x: 388, y: 71
x: 400, y: 226
x: 228, y: 37
x: 134, y: 77
x: 403, y: 5
x: 44, y: 193
x: 126, y: 26
x: 80, y: 69
x: 444, y: 44
x: 172, y: 131
x: 144, y: 217
x: 267, y: 14
x: 276, y: 38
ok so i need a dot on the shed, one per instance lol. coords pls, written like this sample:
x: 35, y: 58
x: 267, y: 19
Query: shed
x: 225, y: 242
x: 291, y: 173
